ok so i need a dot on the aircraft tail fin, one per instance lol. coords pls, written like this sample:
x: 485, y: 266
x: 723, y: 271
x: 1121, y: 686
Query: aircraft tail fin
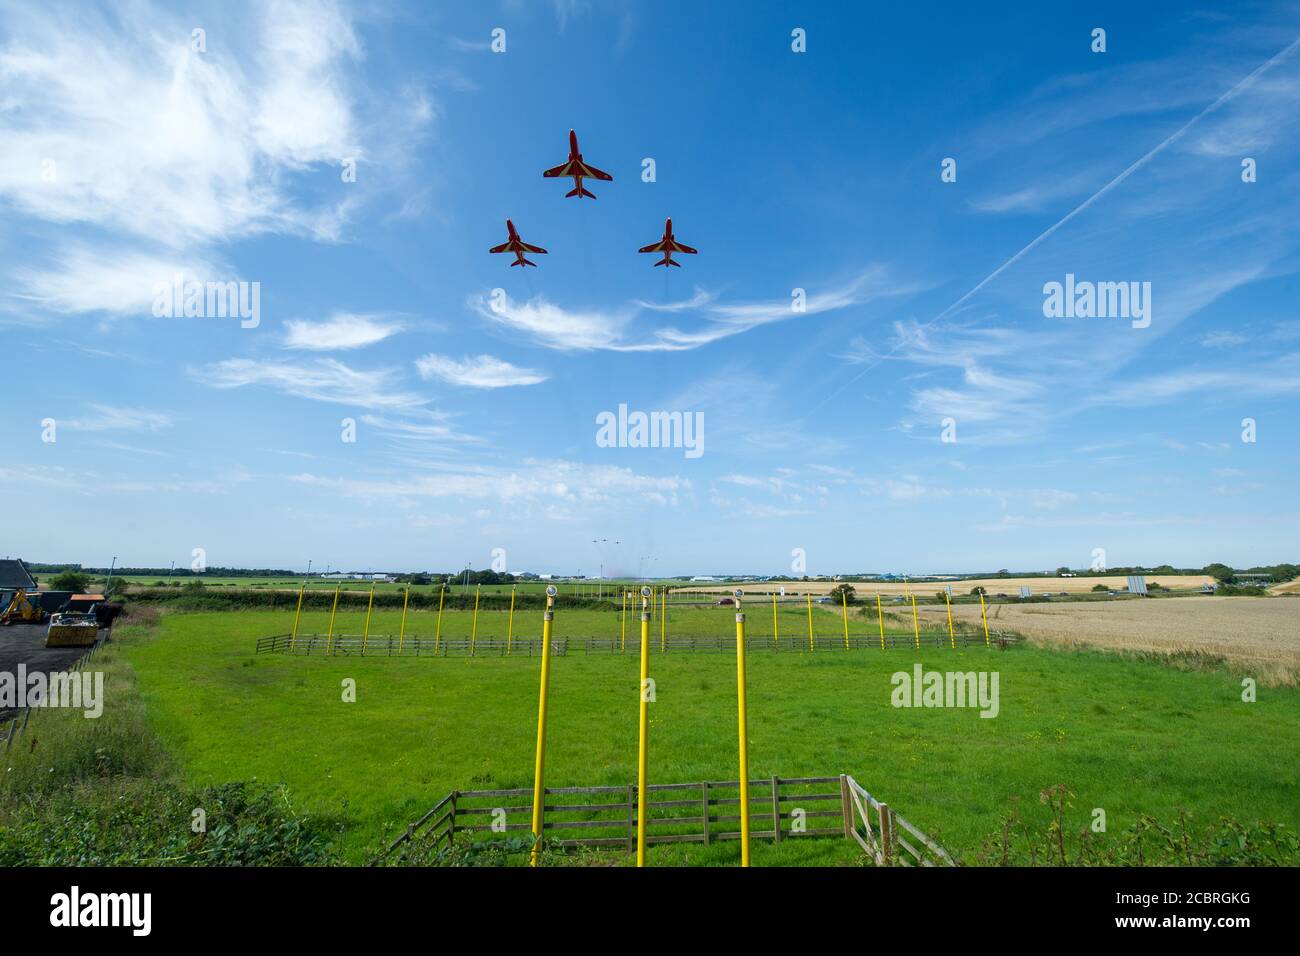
x: 579, y: 192
x: 524, y: 262
x: 665, y: 261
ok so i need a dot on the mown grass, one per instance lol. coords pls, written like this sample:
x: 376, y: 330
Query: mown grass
x: 1125, y: 735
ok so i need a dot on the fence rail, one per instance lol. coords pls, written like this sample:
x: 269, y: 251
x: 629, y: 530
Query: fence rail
x: 388, y: 645
x: 781, y: 808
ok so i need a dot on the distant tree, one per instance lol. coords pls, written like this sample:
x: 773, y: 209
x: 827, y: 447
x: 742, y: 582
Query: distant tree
x: 1220, y: 572
x: 1004, y: 573
x: 70, y: 581
x: 1100, y: 587
x: 115, y: 588
x: 843, y: 593
x: 978, y: 590
x: 1061, y: 571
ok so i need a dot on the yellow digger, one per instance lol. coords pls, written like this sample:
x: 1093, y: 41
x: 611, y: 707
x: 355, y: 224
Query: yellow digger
x: 21, y: 609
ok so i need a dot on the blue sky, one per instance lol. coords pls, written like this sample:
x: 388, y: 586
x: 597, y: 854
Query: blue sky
x: 128, y: 156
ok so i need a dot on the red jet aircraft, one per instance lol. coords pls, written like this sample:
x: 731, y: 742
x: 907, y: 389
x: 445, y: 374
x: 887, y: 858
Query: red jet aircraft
x: 578, y: 169
x: 668, y: 245
x: 518, y: 247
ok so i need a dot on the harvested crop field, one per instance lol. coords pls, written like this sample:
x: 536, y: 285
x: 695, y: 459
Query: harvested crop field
x: 1011, y: 586
x: 1245, y: 630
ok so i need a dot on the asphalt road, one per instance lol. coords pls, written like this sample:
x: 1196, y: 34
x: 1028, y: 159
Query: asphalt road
x: 24, y: 644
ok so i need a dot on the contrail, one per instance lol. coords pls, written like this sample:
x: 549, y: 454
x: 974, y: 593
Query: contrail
x: 1138, y: 164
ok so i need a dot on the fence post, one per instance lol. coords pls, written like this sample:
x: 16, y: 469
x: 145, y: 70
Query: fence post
x: 705, y: 788
x: 846, y: 807
x: 631, y: 818
x: 776, y: 808
x: 886, y: 835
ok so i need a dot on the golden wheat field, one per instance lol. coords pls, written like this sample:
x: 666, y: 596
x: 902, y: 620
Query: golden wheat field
x: 1248, y: 631
x: 1009, y: 586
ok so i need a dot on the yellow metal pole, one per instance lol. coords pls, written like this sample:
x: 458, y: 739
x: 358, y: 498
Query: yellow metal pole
x: 539, y: 764
x: 401, y: 634
x: 744, y: 732
x: 442, y: 596
x: 643, y: 753
x: 810, y: 629
x: 296, y: 616
x: 984, y: 614
x: 473, y: 634
x: 622, y: 642
x: 881, y: 618
x: 365, y: 635
x: 510, y: 629
x: 952, y: 638
x: 844, y: 603
x: 915, y: 628
x: 329, y: 639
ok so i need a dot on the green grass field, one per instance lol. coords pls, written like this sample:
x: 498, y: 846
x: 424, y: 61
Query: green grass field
x: 1125, y: 735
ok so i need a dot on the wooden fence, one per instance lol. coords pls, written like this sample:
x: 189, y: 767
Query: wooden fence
x: 789, y: 808
x: 389, y: 645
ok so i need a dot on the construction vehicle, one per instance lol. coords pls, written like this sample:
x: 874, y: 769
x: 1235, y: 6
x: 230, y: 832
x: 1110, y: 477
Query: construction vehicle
x: 20, y: 609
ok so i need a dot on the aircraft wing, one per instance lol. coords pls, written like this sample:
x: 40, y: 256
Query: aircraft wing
x: 531, y: 248
x: 653, y: 247
x: 564, y: 169
x: 591, y: 172
x: 678, y: 247
x: 504, y: 247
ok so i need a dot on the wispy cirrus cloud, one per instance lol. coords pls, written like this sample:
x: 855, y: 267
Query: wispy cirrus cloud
x: 615, y: 329
x: 534, y: 480
x: 479, y: 371
x: 105, y: 418
x: 341, y: 331
x: 323, y: 380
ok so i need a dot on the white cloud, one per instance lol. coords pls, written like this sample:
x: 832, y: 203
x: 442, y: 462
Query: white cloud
x: 480, y: 371
x: 324, y: 380
x: 1215, y: 340
x: 84, y: 280
x: 535, y: 481
x: 153, y: 140
x: 559, y: 328
x: 112, y: 120
x: 343, y: 330
x: 114, y: 418
x: 554, y: 326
